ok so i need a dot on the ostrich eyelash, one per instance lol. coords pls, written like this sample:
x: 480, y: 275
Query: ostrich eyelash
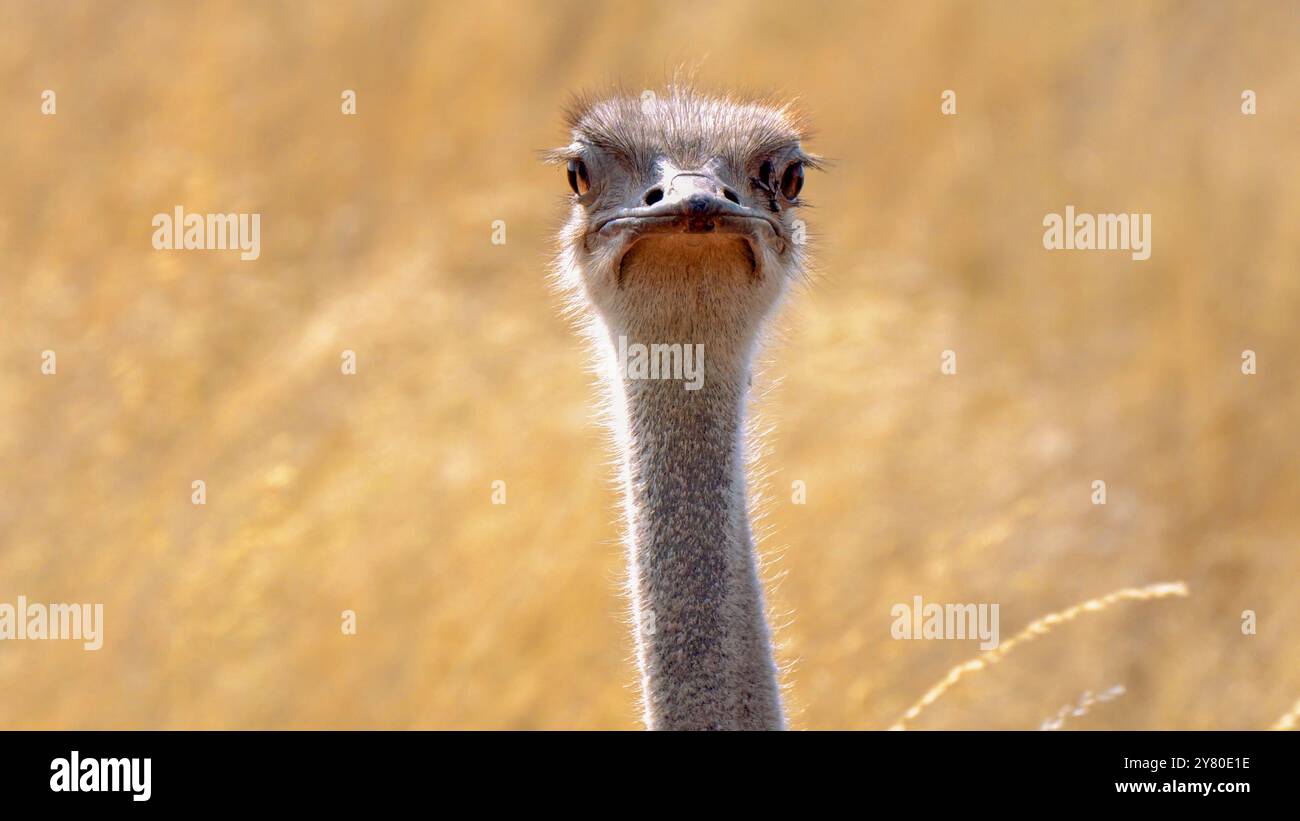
x: 766, y: 188
x: 763, y: 182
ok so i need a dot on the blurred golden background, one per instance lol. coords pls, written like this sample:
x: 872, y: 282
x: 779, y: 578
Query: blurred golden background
x: 372, y: 492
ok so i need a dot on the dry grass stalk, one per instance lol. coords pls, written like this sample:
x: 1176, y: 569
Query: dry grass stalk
x: 1086, y: 701
x: 1291, y: 720
x: 1038, y: 628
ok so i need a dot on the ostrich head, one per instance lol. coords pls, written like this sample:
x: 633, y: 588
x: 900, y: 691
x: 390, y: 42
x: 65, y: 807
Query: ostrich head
x: 682, y: 237
x: 683, y: 211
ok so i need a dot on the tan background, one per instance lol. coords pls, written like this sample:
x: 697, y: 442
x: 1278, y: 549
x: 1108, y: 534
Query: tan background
x: 372, y: 492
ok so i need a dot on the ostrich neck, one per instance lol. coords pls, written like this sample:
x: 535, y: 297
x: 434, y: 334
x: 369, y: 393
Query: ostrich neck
x: 701, y: 633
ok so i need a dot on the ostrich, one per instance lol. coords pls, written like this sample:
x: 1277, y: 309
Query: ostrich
x: 682, y: 239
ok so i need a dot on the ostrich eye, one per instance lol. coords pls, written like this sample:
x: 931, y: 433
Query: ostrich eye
x: 792, y: 180
x: 579, y: 179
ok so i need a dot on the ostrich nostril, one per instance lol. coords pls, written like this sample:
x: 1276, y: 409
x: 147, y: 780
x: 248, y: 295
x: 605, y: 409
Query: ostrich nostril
x: 654, y: 195
x: 731, y: 195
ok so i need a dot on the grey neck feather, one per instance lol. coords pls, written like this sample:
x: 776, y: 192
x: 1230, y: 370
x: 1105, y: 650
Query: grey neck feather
x: 701, y: 632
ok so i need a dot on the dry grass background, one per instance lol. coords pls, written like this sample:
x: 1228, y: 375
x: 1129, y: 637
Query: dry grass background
x: 371, y: 492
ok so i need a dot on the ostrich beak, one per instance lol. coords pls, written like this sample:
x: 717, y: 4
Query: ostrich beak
x: 693, y: 202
